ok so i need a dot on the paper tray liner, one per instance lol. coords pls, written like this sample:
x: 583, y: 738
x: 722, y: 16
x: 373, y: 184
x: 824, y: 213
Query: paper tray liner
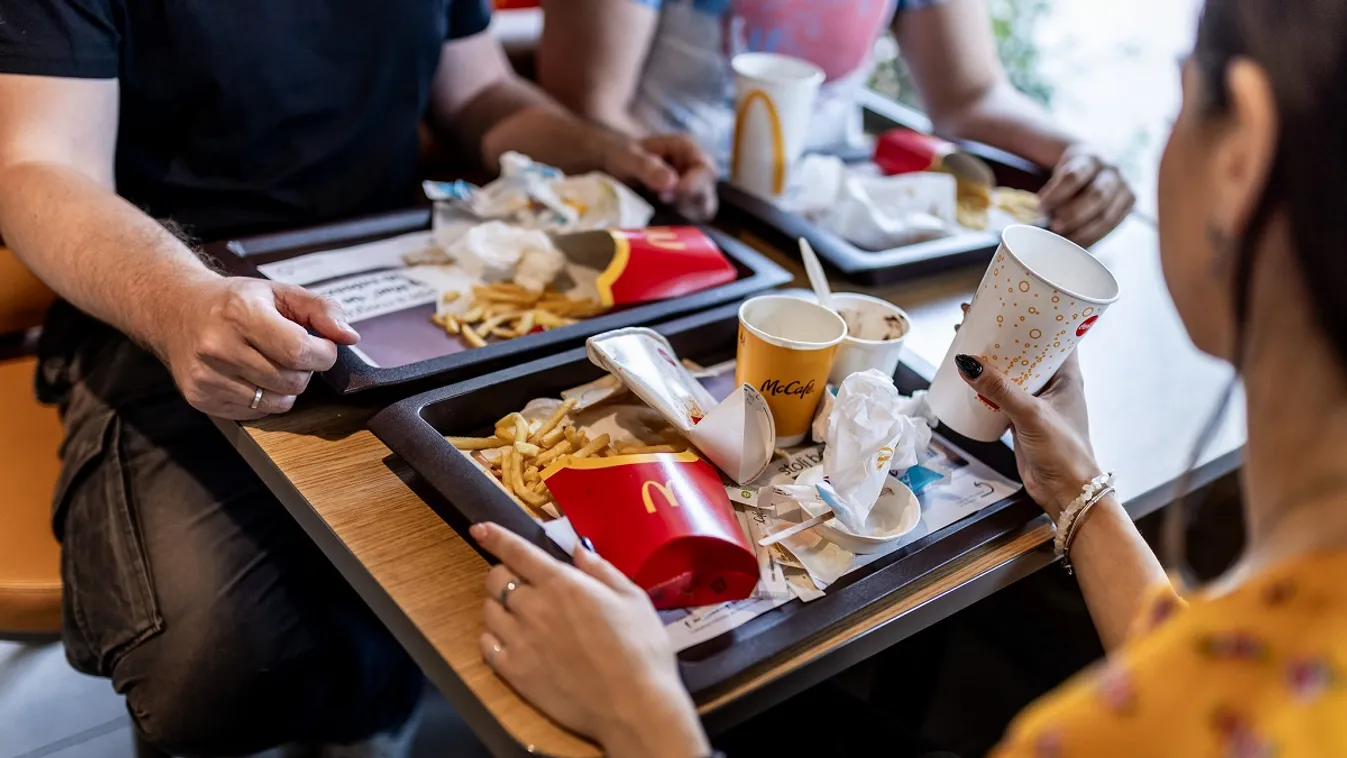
x: 456, y: 489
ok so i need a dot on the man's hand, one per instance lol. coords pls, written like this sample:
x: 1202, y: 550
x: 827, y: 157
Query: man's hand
x: 1086, y: 198
x: 237, y: 335
x: 672, y: 166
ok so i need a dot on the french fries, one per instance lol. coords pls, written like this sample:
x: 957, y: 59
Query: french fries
x: 519, y: 451
x: 508, y: 311
x: 478, y: 443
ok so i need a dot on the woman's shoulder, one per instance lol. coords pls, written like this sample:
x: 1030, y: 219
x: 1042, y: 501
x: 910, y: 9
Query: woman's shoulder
x: 1260, y: 671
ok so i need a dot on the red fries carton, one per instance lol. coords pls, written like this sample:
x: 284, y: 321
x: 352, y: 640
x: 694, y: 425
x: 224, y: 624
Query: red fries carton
x: 664, y: 520
x: 642, y: 265
x: 903, y: 151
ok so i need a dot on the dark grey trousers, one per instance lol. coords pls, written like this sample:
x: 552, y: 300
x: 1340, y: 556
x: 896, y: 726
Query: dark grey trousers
x: 189, y: 585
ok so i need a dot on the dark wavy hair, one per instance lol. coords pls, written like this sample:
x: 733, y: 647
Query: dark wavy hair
x: 1301, y: 45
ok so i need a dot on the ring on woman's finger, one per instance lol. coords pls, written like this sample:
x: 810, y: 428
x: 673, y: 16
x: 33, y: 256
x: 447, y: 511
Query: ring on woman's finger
x: 505, y: 591
x: 257, y: 399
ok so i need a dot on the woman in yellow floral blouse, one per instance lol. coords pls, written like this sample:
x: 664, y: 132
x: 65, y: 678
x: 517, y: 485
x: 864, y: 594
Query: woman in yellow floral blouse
x: 1253, y: 235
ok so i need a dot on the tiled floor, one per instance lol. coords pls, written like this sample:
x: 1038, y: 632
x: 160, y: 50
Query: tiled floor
x: 47, y: 710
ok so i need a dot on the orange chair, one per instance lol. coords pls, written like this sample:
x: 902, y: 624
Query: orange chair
x: 30, y: 435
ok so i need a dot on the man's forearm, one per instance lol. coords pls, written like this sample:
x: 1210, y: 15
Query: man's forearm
x: 515, y: 115
x: 1007, y: 119
x: 95, y: 249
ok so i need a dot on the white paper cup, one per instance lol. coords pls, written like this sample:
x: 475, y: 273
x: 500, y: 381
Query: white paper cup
x: 774, y: 103
x: 1039, y: 297
x: 875, y: 332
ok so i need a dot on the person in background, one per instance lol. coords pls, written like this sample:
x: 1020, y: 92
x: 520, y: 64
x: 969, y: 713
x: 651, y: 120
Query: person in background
x: 1254, y: 251
x: 645, y: 66
x: 121, y: 121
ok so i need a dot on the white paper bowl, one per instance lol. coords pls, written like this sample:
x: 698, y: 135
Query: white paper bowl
x: 896, y: 495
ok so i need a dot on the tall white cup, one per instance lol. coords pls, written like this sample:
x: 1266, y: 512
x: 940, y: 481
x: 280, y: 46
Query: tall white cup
x: 774, y: 103
x: 1041, y: 294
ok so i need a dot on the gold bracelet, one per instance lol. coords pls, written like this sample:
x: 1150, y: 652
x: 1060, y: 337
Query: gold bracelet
x: 1076, y: 524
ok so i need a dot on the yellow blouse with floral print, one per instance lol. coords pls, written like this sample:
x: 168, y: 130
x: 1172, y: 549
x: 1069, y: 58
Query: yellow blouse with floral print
x: 1256, y: 673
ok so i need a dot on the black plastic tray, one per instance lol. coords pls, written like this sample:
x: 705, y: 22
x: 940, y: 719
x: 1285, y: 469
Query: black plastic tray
x: 351, y: 374
x: 877, y: 267
x: 461, y: 495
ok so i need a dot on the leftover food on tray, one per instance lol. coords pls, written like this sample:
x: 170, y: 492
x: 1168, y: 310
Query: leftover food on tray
x: 522, y: 448
x: 1021, y: 205
x: 546, y: 250
x: 533, y: 195
x: 878, y: 212
x: 509, y: 310
x: 601, y: 461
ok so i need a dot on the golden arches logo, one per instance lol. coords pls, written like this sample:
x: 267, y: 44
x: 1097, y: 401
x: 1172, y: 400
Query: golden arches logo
x: 778, y: 139
x: 664, y: 239
x: 665, y: 489
x: 885, y: 455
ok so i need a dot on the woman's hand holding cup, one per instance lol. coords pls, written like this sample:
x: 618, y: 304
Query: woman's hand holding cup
x: 1052, y: 430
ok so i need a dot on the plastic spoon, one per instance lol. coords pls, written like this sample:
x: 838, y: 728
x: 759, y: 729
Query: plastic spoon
x: 806, y: 525
x: 817, y: 279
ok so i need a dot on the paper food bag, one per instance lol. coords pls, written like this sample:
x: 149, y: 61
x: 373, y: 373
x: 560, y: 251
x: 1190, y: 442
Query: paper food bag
x: 537, y: 196
x: 643, y: 265
x: 737, y: 435
x: 664, y: 521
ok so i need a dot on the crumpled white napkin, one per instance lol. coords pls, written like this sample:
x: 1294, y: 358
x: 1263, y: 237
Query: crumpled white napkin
x: 869, y: 435
x: 875, y: 212
x: 496, y: 251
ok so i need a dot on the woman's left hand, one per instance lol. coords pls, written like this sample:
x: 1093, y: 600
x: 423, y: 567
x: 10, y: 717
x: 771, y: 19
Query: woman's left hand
x: 585, y: 646
x: 1086, y: 198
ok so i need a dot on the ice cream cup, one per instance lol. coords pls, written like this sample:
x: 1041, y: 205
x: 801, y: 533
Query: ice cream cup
x: 774, y: 104
x: 875, y: 332
x: 1041, y: 294
x: 786, y: 351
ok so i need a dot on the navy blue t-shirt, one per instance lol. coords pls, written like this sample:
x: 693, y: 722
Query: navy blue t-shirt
x: 237, y: 117
x: 240, y: 116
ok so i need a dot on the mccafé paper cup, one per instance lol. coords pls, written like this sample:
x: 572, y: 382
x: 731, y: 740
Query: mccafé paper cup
x: 1041, y: 294
x: 774, y: 102
x: 786, y: 350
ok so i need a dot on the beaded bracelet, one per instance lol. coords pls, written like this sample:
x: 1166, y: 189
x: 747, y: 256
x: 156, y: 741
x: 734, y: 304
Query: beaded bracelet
x: 1076, y: 523
x: 1068, y: 515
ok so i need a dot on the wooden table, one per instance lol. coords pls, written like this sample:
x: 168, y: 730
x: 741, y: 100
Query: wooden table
x: 1150, y: 393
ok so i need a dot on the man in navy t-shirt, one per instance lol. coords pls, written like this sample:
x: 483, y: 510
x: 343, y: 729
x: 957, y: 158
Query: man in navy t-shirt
x: 186, y: 582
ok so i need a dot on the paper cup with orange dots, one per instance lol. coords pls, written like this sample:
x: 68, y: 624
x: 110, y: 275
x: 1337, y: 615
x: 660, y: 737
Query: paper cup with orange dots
x: 1041, y: 294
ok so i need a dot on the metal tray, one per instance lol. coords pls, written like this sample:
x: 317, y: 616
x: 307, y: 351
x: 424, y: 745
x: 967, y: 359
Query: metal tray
x: 878, y: 267
x: 461, y: 495
x: 352, y: 374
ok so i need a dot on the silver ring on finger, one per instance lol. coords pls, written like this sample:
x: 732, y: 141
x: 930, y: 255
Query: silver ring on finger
x: 510, y: 586
x: 257, y: 399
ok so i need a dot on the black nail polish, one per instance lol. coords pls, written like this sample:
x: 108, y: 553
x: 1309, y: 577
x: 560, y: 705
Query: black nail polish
x: 968, y: 366
x: 584, y: 542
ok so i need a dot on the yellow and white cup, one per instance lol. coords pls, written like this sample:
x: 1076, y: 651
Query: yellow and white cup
x: 1040, y: 295
x: 786, y: 350
x: 774, y: 104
